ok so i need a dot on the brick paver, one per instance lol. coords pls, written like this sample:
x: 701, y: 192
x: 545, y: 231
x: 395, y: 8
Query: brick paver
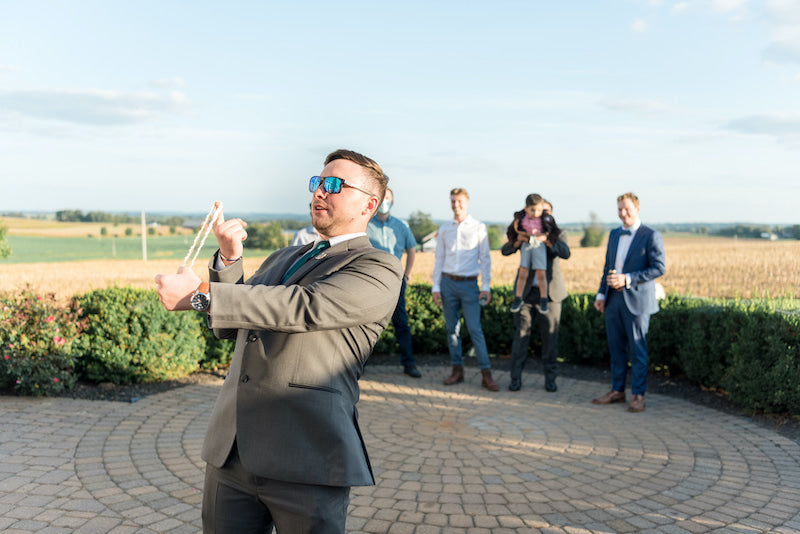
x: 455, y: 459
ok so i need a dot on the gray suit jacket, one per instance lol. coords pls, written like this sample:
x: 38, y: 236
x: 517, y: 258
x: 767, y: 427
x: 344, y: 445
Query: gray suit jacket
x: 556, y: 288
x: 290, y: 396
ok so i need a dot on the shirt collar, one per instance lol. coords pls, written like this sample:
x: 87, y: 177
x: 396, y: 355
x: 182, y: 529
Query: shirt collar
x: 468, y: 218
x: 340, y: 238
x: 634, y: 227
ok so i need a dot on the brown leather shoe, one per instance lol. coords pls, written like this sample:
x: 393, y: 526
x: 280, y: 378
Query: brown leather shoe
x: 637, y: 404
x: 610, y: 398
x: 456, y: 377
x: 487, y: 381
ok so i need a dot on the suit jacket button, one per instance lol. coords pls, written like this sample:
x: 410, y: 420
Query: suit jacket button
x: 245, y: 378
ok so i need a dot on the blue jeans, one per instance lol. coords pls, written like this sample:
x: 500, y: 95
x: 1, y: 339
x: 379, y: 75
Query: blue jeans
x: 401, y: 330
x: 463, y: 296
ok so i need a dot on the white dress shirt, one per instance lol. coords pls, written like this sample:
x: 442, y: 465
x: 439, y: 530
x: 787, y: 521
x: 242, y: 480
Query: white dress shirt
x: 623, y: 245
x: 462, y: 249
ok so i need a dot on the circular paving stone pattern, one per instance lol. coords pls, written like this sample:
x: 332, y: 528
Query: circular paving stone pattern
x: 462, y: 459
x: 447, y: 459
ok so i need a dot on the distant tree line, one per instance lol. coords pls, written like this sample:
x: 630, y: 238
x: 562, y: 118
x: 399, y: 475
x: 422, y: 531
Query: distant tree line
x: 756, y: 230
x: 265, y: 236
x: 114, y: 218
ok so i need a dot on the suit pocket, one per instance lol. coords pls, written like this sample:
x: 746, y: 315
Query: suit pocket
x: 326, y: 389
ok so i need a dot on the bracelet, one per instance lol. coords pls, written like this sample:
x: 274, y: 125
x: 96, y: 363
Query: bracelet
x: 225, y: 258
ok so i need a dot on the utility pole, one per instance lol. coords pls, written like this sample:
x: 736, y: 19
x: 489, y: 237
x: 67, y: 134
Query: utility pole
x: 144, y: 239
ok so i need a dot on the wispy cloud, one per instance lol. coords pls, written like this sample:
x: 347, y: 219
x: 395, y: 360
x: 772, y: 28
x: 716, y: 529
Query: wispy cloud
x: 634, y: 105
x: 727, y: 6
x: 176, y: 82
x: 783, y: 20
x: 93, y: 107
x: 773, y: 124
x: 680, y: 7
x: 8, y: 68
x: 639, y: 26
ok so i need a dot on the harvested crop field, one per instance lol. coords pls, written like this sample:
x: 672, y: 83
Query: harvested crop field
x: 698, y: 266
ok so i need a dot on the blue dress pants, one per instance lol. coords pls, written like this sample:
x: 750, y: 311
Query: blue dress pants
x: 626, y: 332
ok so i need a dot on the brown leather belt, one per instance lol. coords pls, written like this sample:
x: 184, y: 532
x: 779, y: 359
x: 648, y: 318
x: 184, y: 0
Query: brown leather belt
x: 456, y: 278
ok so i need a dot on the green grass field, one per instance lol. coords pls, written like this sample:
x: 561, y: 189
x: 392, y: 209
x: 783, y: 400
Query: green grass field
x: 36, y: 249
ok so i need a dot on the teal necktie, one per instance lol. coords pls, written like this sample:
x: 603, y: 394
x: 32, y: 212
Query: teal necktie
x: 322, y: 245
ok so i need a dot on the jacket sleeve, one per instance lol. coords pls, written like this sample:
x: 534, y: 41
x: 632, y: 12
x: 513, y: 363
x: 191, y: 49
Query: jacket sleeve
x: 656, y: 261
x: 508, y: 249
x: 561, y: 248
x: 358, y: 289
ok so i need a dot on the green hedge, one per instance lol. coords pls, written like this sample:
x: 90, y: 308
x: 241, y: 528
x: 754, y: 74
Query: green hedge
x: 124, y: 335
x: 751, y: 349
x: 129, y: 337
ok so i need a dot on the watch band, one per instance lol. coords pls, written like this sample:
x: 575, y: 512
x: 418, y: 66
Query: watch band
x: 201, y: 298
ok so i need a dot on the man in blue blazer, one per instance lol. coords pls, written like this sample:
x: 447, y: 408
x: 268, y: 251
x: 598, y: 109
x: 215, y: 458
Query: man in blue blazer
x: 634, y: 259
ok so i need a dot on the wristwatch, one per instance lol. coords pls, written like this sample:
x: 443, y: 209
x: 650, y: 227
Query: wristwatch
x: 201, y: 298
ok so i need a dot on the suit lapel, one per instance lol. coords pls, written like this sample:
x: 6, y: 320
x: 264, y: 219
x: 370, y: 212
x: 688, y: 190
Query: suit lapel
x: 637, y: 237
x: 350, y: 244
x: 613, y: 243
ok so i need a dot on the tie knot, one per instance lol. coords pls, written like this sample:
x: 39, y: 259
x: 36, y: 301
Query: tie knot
x: 319, y: 247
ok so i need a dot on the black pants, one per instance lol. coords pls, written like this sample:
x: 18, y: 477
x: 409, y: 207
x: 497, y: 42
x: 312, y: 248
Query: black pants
x: 237, y: 502
x: 548, y: 328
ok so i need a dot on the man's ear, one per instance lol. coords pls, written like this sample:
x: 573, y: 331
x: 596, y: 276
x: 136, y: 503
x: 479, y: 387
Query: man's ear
x: 372, y: 206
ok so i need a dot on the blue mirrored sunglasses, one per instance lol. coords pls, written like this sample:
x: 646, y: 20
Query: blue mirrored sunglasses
x: 332, y: 184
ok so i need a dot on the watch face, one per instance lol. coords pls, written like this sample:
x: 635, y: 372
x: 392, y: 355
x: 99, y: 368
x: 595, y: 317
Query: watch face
x: 199, y: 301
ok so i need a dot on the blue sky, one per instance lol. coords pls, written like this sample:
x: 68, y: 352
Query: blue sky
x: 170, y: 105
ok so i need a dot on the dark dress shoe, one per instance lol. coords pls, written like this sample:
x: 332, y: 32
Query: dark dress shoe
x: 610, y: 398
x: 412, y: 371
x: 550, y: 385
x: 515, y: 385
x: 637, y: 404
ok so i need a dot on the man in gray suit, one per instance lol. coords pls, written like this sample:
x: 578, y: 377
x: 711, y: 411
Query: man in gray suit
x: 283, y: 446
x: 557, y: 248
x: 635, y: 257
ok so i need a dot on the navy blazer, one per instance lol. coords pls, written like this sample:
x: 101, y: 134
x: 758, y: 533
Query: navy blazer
x: 644, y: 263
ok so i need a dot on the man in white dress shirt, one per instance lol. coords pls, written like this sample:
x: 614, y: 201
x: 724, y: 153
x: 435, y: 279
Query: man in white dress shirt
x: 462, y: 253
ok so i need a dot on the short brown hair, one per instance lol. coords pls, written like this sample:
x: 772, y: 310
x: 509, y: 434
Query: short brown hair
x: 374, y: 173
x: 534, y: 199
x: 630, y: 196
x: 459, y: 191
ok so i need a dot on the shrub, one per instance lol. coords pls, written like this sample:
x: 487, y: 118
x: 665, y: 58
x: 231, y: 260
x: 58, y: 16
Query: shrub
x: 764, y: 369
x: 497, y: 321
x: 749, y: 348
x: 130, y: 337
x: 37, y: 337
x: 218, y: 352
x: 429, y: 332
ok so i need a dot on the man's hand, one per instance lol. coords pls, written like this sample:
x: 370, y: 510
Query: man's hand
x: 616, y: 281
x: 485, y: 297
x: 600, y: 305
x: 175, y: 290
x: 230, y: 235
x: 437, y: 299
x: 522, y: 238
